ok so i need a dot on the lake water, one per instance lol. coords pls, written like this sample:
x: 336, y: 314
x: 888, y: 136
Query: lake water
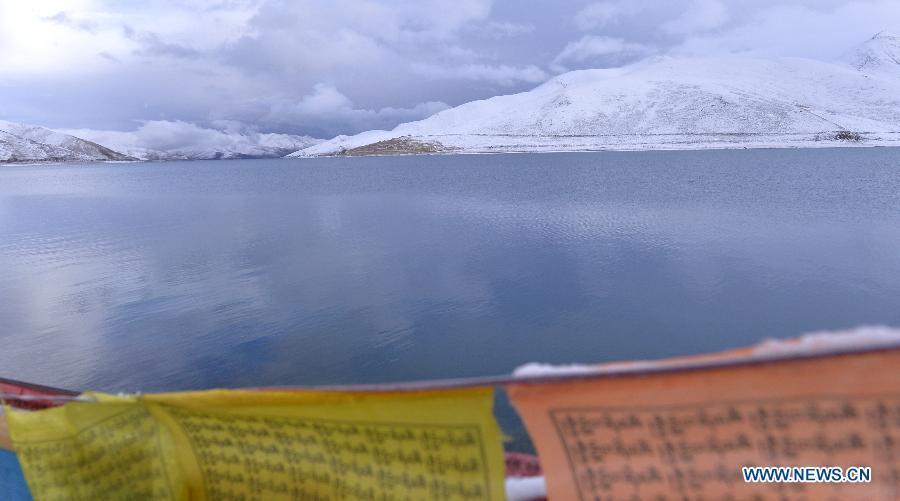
x: 166, y: 276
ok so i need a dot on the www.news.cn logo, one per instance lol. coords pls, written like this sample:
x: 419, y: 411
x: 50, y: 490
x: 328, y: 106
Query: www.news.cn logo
x: 813, y: 474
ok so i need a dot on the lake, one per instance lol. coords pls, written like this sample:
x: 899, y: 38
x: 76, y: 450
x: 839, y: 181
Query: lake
x: 187, y: 275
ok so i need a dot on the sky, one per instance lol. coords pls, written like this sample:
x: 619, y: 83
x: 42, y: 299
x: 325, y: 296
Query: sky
x: 328, y: 67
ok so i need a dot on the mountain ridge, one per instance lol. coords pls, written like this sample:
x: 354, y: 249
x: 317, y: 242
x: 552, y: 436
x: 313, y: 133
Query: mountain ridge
x: 21, y: 143
x: 28, y: 143
x: 670, y: 103
x: 165, y: 141
x: 879, y: 53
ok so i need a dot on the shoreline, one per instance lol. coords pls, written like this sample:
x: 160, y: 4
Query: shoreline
x: 817, y: 145
x: 491, y: 144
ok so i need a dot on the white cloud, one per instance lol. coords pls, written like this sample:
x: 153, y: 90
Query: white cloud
x: 38, y: 37
x: 63, y: 18
x: 497, y: 29
x: 322, y: 35
x: 798, y: 30
x: 172, y: 135
x: 323, y: 99
x: 326, y: 107
x: 700, y: 15
x: 590, y: 47
x: 501, y: 74
x: 50, y: 36
x: 600, y: 14
x: 178, y: 136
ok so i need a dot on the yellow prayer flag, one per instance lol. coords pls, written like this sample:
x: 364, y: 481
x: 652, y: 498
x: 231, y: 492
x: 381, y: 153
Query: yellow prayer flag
x: 265, y: 445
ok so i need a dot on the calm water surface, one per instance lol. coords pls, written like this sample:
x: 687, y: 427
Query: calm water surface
x: 280, y: 272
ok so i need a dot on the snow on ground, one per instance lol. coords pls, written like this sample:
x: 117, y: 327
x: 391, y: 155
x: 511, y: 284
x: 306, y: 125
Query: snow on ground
x: 676, y: 103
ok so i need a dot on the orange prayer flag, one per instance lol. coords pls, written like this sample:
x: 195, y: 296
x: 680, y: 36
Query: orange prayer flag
x: 684, y: 428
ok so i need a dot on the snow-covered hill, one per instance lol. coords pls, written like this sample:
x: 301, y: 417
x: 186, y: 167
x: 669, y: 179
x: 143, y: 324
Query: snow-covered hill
x: 879, y: 54
x: 670, y: 103
x: 176, y: 140
x: 26, y: 143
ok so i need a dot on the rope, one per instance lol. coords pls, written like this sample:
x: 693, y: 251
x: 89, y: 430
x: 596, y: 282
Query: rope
x: 45, y: 398
x: 601, y: 372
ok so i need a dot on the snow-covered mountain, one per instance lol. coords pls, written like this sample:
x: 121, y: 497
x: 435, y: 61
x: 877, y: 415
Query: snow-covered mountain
x: 159, y: 140
x: 670, y: 103
x: 879, y: 54
x: 176, y: 140
x: 27, y: 143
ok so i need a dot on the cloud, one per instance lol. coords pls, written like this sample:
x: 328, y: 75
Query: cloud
x: 329, y: 35
x: 590, y: 48
x: 498, y: 30
x: 173, y: 135
x: 41, y: 37
x: 797, y: 30
x: 600, y: 14
x: 63, y: 19
x: 151, y: 44
x: 323, y: 99
x: 158, y: 135
x: 329, y: 111
x: 178, y: 136
x: 109, y: 57
x: 700, y: 15
x: 502, y: 74
x: 325, y: 67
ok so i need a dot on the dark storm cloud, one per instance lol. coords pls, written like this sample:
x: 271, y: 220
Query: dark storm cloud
x: 342, y: 66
